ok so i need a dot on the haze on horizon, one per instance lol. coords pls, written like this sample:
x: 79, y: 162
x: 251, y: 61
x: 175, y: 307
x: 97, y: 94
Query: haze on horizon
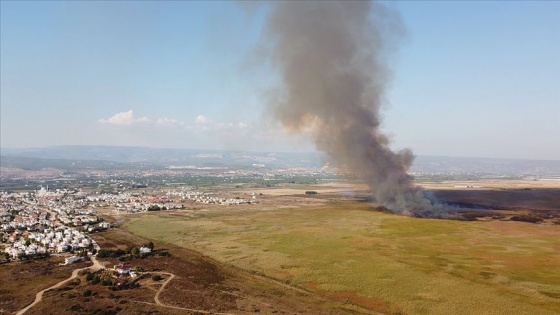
x: 468, y: 79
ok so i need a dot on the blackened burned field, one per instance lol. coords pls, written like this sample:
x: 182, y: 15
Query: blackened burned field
x: 527, y: 204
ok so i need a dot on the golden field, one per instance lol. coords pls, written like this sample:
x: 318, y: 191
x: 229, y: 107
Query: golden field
x: 383, y: 262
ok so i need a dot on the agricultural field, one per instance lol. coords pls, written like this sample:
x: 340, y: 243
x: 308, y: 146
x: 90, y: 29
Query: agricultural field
x: 347, y: 251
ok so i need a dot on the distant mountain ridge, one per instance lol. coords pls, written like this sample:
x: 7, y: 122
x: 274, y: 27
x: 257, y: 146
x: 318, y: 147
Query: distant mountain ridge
x: 116, y: 157
x: 485, y: 166
x: 165, y: 157
x: 29, y: 163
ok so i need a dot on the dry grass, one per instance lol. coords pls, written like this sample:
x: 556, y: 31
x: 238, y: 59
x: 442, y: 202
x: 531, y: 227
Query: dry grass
x: 199, y: 284
x: 381, y: 261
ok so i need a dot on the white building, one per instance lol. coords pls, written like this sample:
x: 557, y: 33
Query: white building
x: 145, y: 250
x: 72, y: 259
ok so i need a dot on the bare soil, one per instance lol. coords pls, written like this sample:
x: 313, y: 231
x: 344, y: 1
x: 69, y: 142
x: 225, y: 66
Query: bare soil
x: 20, y: 281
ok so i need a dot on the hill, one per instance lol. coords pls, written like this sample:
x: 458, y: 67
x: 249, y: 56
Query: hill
x: 115, y: 157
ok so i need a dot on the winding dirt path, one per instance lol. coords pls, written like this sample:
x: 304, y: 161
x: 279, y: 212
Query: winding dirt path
x: 39, y: 296
x: 156, y: 297
x: 96, y: 266
x: 159, y: 303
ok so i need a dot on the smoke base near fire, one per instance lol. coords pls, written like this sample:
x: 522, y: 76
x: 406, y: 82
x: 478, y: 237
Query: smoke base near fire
x: 332, y: 61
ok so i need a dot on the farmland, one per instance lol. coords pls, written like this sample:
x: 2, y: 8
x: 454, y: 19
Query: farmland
x: 392, y: 264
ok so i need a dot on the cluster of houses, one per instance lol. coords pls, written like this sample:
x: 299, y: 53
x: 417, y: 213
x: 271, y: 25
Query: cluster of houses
x: 110, y: 198
x: 44, y: 222
x: 60, y: 240
x: 208, y: 198
x: 56, y: 221
x: 134, y: 207
x: 76, y: 217
x: 124, y: 271
x: 124, y: 202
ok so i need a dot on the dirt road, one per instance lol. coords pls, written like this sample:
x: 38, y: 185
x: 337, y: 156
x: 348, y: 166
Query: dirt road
x: 39, y: 296
x: 159, y: 303
x: 156, y: 297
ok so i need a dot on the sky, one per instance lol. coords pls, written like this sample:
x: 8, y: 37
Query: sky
x: 476, y: 79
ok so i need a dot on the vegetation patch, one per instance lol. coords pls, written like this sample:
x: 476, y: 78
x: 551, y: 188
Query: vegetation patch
x: 386, y: 262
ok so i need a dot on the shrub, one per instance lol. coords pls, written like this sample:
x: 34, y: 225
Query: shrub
x: 119, y: 252
x: 87, y: 293
x: 75, y: 308
x: 103, y: 253
x: 526, y: 218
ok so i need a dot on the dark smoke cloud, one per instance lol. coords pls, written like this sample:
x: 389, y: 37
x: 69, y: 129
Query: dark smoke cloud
x: 331, y: 60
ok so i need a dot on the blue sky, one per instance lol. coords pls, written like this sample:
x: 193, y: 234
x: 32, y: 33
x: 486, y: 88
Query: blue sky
x: 469, y: 78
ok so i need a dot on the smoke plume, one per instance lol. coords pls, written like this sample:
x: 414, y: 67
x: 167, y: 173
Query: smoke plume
x: 331, y: 60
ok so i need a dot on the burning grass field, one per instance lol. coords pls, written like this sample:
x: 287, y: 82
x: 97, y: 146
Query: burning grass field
x: 384, y: 262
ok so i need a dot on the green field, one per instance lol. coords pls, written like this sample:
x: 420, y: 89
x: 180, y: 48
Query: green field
x: 381, y: 261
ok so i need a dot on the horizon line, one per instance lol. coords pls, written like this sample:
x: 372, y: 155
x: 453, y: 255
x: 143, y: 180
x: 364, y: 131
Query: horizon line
x: 257, y: 151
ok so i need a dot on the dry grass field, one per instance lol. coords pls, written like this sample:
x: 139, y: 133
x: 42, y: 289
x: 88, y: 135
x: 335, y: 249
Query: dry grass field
x: 391, y: 264
x: 329, y: 253
x: 200, y: 286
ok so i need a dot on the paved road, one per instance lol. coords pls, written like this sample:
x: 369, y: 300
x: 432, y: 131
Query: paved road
x: 39, y: 296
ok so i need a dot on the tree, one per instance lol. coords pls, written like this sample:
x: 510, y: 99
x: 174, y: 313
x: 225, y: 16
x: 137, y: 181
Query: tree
x: 154, y: 208
x: 102, y: 253
x: 4, y: 256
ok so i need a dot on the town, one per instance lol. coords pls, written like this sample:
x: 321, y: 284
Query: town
x: 46, y: 222
x: 60, y: 221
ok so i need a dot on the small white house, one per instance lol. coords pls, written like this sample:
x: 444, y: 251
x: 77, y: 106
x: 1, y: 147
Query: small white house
x: 104, y: 225
x: 145, y: 250
x: 72, y: 259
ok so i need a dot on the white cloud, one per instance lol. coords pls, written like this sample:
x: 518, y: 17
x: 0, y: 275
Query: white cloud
x: 202, y: 123
x: 168, y: 122
x: 231, y: 125
x: 124, y: 119
x: 201, y: 119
